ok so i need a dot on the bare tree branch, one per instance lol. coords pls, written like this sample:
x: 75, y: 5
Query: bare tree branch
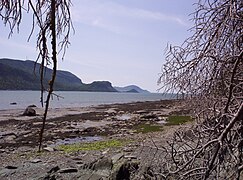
x: 208, y: 69
x: 53, y: 20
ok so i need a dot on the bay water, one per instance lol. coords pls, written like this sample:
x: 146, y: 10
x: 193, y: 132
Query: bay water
x: 67, y: 99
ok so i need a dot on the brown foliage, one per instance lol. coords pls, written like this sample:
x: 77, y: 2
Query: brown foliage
x: 208, y: 68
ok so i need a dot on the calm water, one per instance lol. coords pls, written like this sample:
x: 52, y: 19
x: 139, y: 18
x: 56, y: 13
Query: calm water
x: 73, y: 98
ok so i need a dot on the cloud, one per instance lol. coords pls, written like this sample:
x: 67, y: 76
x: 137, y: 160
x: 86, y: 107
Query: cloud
x: 112, y: 16
x: 144, y: 14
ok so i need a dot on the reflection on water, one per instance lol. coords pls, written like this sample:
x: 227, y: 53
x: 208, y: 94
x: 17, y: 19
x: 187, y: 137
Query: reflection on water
x: 77, y: 140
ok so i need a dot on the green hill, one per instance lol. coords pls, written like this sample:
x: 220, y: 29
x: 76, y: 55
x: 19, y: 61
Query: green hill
x: 24, y: 75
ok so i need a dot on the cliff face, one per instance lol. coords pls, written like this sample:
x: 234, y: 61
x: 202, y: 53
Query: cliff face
x: 24, y: 75
x: 101, y: 86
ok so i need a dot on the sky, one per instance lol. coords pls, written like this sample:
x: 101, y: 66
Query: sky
x: 121, y: 41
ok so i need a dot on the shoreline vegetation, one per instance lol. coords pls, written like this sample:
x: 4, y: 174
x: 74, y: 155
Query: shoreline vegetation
x: 77, y: 139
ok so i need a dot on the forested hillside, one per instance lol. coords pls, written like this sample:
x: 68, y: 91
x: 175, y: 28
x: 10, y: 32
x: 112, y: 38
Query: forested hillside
x: 24, y: 75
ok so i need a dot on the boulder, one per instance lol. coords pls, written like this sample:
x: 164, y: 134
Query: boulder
x: 32, y: 105
x: 116, y: 157
x: 123, y: 169
x: 29, y: 111
x: 115, y: 167
x: 100, y: 164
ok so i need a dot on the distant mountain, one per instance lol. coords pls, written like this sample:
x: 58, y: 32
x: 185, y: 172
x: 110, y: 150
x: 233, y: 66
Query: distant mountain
x: 99, y: 86
x: 131, y: 88
x: 24, y: 75
x: 132, y: 91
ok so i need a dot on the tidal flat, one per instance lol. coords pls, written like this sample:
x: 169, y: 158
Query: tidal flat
x: 75, y: 139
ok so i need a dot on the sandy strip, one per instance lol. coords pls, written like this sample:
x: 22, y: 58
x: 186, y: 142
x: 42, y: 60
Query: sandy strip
x: 16, y: 114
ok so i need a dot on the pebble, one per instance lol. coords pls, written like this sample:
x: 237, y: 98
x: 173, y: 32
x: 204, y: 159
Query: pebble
x: 142, y: 112
x: 127, y: 149
x: 105, y: 152
x: 130, y: 157
x: 2, y: 150
x: 35, y: 161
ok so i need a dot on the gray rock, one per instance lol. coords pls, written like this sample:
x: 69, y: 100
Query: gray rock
x: 32, y: 105
x: 103, y: 163
x: 29, y: 111
x: 10, y: 138
x: 5, y: 173
x: 24, y: 133
x: 91, y: 176
x: 48, y: 149
x: 116, y: 157
x: 130, y: 157
x: 142, y: 112
x: 111, y: 111
x: 2, y: 150
x: 116, y: 167
x: 54, y: 169
x: 35, y: 161
x: 123, y: 169
x: 128, y: 149
x: 7, y: 133
x: 24, y: 149
x: 98, y: 169
x: 51, y: 177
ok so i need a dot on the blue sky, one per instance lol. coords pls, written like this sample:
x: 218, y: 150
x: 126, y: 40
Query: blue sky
x: 121, y: 41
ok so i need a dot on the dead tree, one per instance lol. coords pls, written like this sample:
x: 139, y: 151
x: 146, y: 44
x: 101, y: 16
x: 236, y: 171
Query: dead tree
x: 208, y: 68
x: 52, y: 20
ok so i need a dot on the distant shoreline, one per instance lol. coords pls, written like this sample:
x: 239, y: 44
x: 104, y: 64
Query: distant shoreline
x: 16, y: 114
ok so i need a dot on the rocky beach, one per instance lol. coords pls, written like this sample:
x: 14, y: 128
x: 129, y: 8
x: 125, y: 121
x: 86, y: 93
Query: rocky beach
x: 115, y: 141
